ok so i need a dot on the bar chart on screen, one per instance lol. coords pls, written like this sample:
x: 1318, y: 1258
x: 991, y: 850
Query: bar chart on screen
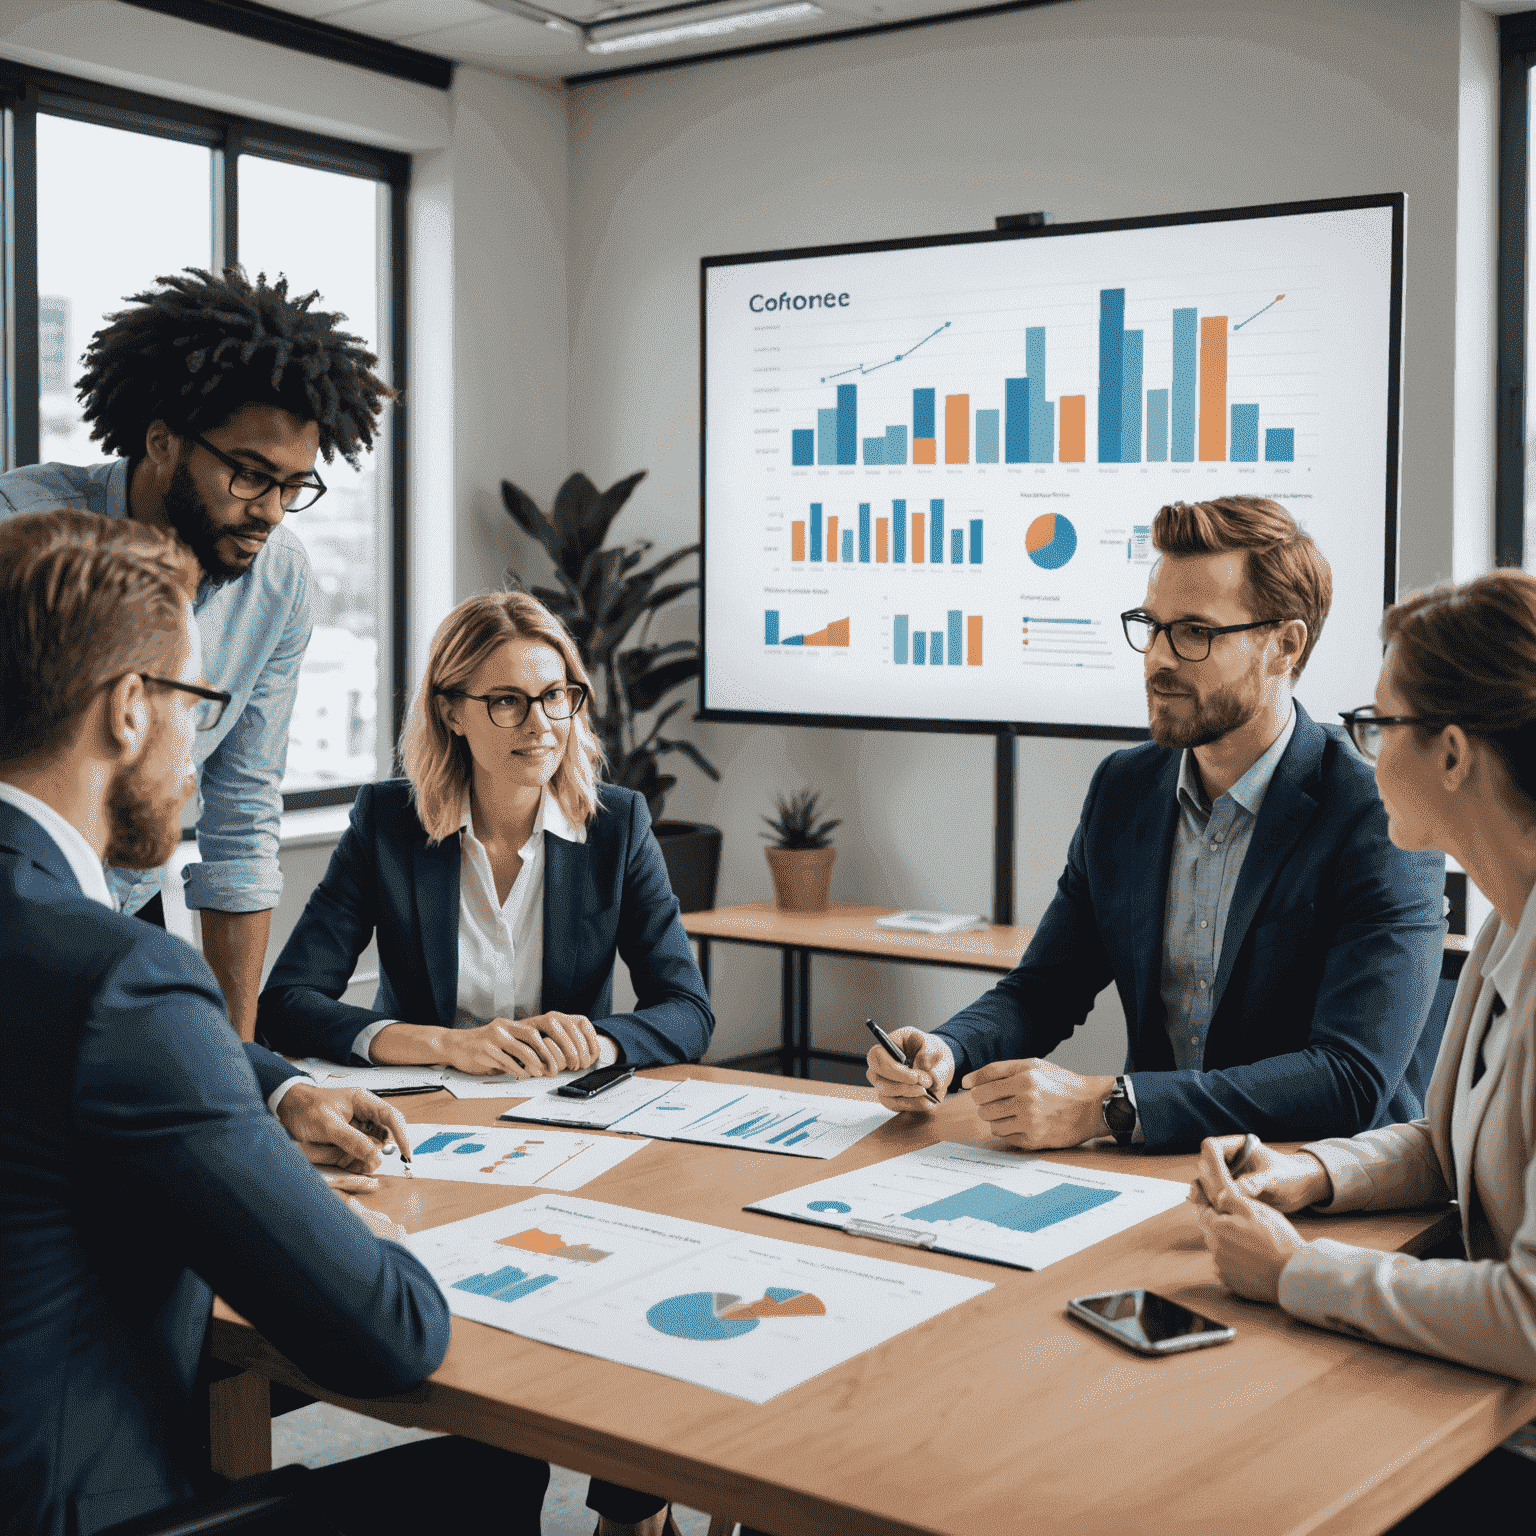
x: 869, y: 534
x: 957, y: 643
x: 834, y: 635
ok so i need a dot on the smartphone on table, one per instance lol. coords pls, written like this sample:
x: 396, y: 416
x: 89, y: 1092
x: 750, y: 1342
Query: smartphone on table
x: 1148, y: 1323
x: 594, y: 1082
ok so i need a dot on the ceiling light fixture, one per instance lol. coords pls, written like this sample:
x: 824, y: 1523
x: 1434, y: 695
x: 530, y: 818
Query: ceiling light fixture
x: 534, y: 14
x: 708, y: 26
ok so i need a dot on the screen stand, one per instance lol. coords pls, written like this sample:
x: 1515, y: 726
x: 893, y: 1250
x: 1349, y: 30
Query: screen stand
x: 1002, y: 825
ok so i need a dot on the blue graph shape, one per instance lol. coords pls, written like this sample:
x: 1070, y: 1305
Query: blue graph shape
x: 1241, y: 323
x: 828, y: 1205
x: 509, y: 1284
x: 1063, y: 545
x: 875, y: 367
x: 697, y: 1316
x: 441, y: 1140
x: 1015, y: 1213
x: 470, y: 1146
x: 789, y: 1136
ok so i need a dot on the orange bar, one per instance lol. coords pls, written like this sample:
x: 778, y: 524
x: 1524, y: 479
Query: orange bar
x: 973, y: 640
x: 924, y: 450
x: 831, y: 538
x: 918, y: 544
x: 957, y: 429
x: 1213, y: 387
x: 797, y: 541
x: 882, y: 540
x: 1074, y: 431
x: 833, y: 634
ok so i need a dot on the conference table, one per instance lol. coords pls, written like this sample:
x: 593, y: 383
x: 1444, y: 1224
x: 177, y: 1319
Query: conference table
x: 999, y: 1416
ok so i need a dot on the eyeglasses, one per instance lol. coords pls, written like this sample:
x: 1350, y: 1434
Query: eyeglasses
x: 1364, y: 727
x: 211, y: 702
x: 1188, y: 641
x: 247, y: 484
x: 510, y: 708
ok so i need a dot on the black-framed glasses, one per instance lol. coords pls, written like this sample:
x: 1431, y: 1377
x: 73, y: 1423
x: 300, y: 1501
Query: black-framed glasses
x: 211, y: 702
x: 1364, y: 727
x: 510, y: 707
x: 1189, y: 641
x: 248, y: 484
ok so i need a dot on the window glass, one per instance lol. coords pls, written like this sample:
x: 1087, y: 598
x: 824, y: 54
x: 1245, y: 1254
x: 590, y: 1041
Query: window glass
x: 115, y: 210
x: 327, y: 233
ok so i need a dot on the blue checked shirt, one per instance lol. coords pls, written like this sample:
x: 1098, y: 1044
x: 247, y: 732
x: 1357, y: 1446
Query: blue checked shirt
x: 254, y: 632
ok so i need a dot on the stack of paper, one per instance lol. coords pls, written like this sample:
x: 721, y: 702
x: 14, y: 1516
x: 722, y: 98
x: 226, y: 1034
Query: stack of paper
x: 462, y: 1085
x: 915, y: 921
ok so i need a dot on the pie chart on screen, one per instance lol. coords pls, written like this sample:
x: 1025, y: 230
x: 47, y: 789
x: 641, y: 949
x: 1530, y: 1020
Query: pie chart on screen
x: 1051, y: 541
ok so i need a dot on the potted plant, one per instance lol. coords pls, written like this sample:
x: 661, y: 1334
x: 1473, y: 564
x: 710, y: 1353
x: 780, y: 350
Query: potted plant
x: 602, y: 595
x: 802, y: 854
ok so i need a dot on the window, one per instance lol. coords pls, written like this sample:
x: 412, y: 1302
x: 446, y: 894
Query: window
x: 1515, y: 496
x: 108, y: 190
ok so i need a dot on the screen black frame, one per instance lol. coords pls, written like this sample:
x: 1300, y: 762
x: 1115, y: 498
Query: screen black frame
x: 1396, y: 201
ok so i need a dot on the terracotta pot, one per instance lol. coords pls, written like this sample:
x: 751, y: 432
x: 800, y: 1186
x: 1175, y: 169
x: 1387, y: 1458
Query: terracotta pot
x: 802, y: 877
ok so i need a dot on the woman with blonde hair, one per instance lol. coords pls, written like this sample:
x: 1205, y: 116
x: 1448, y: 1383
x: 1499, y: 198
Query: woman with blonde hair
x: 502, y: 879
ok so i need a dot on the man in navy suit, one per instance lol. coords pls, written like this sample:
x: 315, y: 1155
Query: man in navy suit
x: 140, y: 1169
x: 1275, y: 954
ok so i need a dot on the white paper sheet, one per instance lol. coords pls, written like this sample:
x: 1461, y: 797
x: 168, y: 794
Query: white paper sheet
x: 1009, y: 1207
x: 747, y: 1316
x: 463, y: 1085
x: 479, y: 1154
x: 329, y: 1075
x: 760, y: 1119
x: 597, y: 1114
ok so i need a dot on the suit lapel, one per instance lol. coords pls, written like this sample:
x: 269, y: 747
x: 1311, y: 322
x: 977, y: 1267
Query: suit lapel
x: 1146, y: 881
x: 565, y: 881
x: 1482, y: 1014
x: 19, y: 832
x: 437, y: 921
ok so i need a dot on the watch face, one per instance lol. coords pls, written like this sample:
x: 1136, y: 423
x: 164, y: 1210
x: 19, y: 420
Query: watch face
x: 1118, y: 1114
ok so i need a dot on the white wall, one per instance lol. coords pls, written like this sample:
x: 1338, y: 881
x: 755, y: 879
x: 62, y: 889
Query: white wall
x: 1093, y: 109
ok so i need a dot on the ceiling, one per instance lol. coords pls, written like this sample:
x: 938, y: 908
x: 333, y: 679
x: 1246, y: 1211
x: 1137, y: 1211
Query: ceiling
x: 494, y: 36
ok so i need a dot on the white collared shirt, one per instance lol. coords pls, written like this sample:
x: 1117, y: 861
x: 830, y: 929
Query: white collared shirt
x: 80, y: 856
x: 501, y: 943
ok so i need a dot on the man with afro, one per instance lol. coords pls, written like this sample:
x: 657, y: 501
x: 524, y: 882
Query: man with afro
x: 217, y: 395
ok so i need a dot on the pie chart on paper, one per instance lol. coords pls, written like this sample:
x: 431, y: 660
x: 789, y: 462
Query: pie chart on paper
x: 709, y: 1315
x: 1050, y: 541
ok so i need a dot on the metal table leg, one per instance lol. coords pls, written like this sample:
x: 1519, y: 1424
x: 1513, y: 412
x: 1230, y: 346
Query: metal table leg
x: 787, y: 1042
x: 703, y: 944
x: 803, y: 1011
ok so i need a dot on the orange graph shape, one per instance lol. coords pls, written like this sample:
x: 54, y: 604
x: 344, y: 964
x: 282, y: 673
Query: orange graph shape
x: 535, y: 1241
x: 803, y: 1305
x: 973, y: 640
x: 1213, y: 387
x: 924, y: 450
x: 835, y: 633
x: 831, y: 538
x: 797, y: 541
x: 918, y: 522
x: 1040, y: 532
x: 1074, y: 432
x: 957, y: 429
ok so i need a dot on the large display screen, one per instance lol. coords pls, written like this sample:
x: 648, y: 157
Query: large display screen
x: 930, y: 467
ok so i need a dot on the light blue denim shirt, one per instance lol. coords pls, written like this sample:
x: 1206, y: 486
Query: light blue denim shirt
x: 1210, y: 842
x: 254, y: 631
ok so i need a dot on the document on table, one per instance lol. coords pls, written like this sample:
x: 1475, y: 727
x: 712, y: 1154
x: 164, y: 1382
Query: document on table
x: 1008, y: 1207
x: 462, y: 1085
x: 602, y: 1112
x: 761, y: 1119
x: 465, y: 1085
x: 480, y: 1154
x: 746, y: 1316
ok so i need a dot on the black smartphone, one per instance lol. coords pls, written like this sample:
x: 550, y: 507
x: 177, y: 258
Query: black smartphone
x: 594, y: 1082
x: 1148, y: 1323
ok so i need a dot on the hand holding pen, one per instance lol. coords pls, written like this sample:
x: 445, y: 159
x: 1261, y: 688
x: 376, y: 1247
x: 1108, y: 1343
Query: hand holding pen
x: 890, y: 1087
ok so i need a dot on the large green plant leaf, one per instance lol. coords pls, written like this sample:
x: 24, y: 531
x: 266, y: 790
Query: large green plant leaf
x: 526, y: 514
x: 648, y: 689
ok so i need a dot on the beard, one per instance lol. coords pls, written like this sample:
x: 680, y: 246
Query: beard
x: 1216, y: 715
x: 187, y: 513
x: 144, y: 816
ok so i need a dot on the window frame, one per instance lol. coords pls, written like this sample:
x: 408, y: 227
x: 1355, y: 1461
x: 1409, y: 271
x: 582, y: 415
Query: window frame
x: 25, y: 92
x: 1517, y: 57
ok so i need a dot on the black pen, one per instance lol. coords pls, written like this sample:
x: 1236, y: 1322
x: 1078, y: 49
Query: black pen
x: 395, y: 1093
x: 894, y: 1051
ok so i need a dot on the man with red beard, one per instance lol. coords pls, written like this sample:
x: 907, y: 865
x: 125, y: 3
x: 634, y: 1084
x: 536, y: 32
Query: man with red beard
x: 1275, y: 954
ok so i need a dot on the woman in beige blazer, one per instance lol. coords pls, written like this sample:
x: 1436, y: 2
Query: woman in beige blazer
x: 1453, y: 736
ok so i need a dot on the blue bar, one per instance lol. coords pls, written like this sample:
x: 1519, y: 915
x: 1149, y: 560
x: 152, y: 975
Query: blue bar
x: 955, y: 656
x: 815, y: 530
x: 802, y: 446
x: 986, y: 437
x: 874, y: 450
x: 793, y: 640
x: 895, y: 445
x: 790, y: 1134
x: 1157, y: 426
x: 975, y: 541
x: 1130, y: 400
x: 935, y: 647
x: 1042, y: 414
x: 899, y: 532
x: 847, y: 546
x: 919, y: 647
x: 863, y: 533
x: 826, y: 437
x: 1280, y: 445
x: 1111, y: 370
x: 922, y: 413
x: 771, y: 626
x: 1186, y: 327
x: 1245, y: 435
x: 957, y: 546
x: 936, y: 532
x: 899, y: 641
x: 847, y: 423
x: 1016, y: 421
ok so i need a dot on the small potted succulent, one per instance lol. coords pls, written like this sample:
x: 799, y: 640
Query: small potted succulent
x: 801, y: 854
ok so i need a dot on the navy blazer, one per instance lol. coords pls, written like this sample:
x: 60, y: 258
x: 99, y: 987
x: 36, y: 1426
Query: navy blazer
x: 1329, y: 959
x: 607, y: 896
x: 140, y: 1173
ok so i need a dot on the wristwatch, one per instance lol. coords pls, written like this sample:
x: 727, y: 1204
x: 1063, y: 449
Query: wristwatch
x: 1120, y: 1113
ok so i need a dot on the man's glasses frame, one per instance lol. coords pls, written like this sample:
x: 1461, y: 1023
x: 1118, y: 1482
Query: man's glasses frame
x: 1359, y: 724
x: 287, y: 494
x: 1193, y: 634
x: 214, y: 701
x: 511, y: 696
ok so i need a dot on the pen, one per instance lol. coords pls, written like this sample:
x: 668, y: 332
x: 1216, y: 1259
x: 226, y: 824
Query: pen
x: 395, y: 1093
x: 895, y: 1051
x: 1239, y: 1159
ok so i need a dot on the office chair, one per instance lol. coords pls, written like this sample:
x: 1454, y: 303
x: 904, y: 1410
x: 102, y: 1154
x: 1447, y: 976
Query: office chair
x: 279, y: 1503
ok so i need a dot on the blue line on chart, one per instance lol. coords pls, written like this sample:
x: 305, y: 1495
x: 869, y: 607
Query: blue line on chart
x: 1241, y: 323
x: 722, y: 1109
x: 860, y: 368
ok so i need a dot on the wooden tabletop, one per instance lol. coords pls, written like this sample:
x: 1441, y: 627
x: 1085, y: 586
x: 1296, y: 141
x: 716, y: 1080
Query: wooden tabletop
x: 999, y: 1416
x: 848, y: 929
